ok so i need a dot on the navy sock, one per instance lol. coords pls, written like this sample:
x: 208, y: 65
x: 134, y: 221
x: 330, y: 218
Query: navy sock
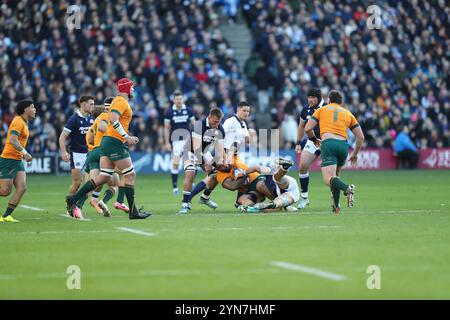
x: 186, y: 197
x: 304, y: 182
x: 9, y: 210
x: 174, y: 180
x: 81, y: 201
x: 199, y: 187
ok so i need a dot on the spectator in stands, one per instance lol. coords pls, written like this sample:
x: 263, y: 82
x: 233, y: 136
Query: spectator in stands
x: 404, y: 149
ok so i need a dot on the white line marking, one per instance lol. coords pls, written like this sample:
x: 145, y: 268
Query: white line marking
x: 31, y: 208
x: 305, y: 269
x: 142, y: 233
x: 66, y: 216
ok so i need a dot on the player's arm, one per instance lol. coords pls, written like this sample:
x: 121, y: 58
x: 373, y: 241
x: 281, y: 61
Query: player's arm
x: 103, y: 126
x: 309, y: 129
x: 359, y: 135
x: 14, y: 140
x: 167, y: 134
x: 300, y: 134
x: 114, y: 118
x: 91, y: 137
x: 258, y: 169
x: 62, y: 144
x: 234, y: 185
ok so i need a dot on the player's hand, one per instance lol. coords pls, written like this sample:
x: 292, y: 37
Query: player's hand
x: 131, y: 140
x: 298, y: 149
x: 318, y: 143
x: 28, y: 157
x: 353, y: 159
x: 167, y: 147
x: 65, y: 156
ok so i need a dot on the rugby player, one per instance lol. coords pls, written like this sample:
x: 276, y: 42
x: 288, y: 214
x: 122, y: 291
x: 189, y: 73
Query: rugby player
x: 12, y: 170
x: 114, y: 147
x: 334, y: 121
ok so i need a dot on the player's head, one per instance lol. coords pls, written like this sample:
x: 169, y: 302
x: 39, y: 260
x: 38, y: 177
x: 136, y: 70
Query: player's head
x: 335, y: 97
x: 314, y: 97
x: 178, y: 99
x: 97, y: 110
x: 107, y: 102
x: 215, y: 117
x: 86, y: 103
x: 125, y: 86
x: 26, y: 109
x: 243, y: 110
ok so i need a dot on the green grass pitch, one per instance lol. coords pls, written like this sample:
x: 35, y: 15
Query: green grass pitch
x: 401, y: 223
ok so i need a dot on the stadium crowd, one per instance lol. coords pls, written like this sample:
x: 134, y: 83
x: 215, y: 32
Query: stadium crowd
x: 395, y: 75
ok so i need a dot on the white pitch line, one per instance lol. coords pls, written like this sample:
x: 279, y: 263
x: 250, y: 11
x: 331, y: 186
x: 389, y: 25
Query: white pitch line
x: 305, y: 269
x: 31, y: 208
x: 66, y: 216
x: 142, y: 233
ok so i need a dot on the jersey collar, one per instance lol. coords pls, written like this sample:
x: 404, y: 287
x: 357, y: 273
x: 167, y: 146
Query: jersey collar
x: 81, y: 115
x: 26, y: 122
x: 241, y: 122
x: 174, y: 107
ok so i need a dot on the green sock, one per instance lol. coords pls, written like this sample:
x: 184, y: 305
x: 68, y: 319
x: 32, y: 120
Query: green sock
x: 121, y: 195
x: 9, y: 209
x: 84, y: 190
x: 336, y: 195
x: 338, y: 184
x: 108, y: 195
x: 129, y: 193
x: 80, y: 202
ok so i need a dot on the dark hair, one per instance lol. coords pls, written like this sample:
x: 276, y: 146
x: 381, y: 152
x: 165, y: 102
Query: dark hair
x: 335, y: 97
x: 108, y: 100
x: 22, y: 105
x: 243, y: 104
x: 216, y: 112
x: 315, y: 92
x: 85, y: 98
x: 177, y: 94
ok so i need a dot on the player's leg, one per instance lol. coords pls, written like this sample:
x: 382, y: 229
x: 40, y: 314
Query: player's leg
x: 6, y: 187
x: 20, y: 188
x: 125, y: 166
x: 120, y: 202
x: 106, y: 171
x: 189, y: 175
x: 77, y: 179
x: 334, y: 155
x: 210, y: 183
x: 306, y: 159
x: 174, y: 172
x: 109, y: 194
x: 93, y: 173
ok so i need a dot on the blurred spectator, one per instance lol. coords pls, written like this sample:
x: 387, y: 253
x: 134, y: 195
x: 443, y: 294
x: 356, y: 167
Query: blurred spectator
x: 405, y: 150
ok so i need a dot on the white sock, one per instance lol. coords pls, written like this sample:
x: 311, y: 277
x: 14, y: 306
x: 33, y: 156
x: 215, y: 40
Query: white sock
x: 305, y: 195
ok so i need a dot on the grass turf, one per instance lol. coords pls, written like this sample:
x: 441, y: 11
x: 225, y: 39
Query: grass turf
x: 400, y: 222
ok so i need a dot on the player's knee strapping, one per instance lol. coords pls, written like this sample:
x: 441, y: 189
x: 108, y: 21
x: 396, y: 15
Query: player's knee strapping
x: 106, y: 172
x: 128, y: 171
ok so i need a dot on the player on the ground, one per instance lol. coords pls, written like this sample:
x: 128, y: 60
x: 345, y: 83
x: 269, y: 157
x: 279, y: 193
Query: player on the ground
x: 305, y: 147
x: 284, y: 191
x: 178, y: 119
x: 12, y: 170
x: 334, y: 121
x: 92, y: 165
x: 206, y: 149
x: 114, y: 146
x: 236, y: 136
x: 75, y: 129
